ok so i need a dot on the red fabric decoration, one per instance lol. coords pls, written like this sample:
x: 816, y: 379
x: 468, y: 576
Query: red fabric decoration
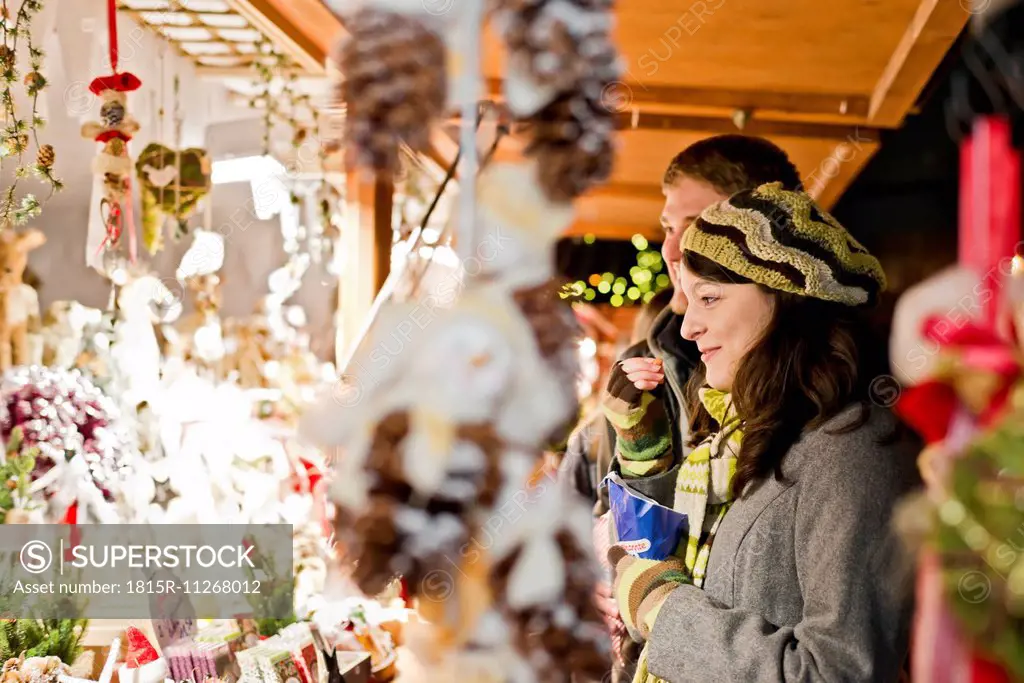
x: 984, y: 671
x: 140, y: 651
x: 124, y: 82
x: 71, y: 517
x: 928, y: 408
x: 108, y: 135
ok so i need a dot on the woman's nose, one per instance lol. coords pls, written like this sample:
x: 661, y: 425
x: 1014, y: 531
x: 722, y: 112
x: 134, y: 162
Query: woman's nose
x: 691, y: 328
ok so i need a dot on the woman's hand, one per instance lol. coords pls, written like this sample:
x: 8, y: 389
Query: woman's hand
x: 638, y: 416
x: 641, y: 587
x: 633, y: 376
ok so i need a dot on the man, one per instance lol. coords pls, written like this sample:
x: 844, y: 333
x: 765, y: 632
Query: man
x: 704, y: 173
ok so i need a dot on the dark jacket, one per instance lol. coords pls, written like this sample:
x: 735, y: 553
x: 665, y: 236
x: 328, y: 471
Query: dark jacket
x: 588, y: 456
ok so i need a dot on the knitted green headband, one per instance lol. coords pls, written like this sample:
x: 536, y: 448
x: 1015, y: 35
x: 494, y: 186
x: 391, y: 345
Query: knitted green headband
x: 783, y: 240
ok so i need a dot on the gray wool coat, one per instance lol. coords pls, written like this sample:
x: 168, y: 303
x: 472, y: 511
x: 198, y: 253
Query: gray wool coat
x: 806, y: 580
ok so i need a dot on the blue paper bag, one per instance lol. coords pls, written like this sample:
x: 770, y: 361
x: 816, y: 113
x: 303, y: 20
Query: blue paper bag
x: 643, y: 528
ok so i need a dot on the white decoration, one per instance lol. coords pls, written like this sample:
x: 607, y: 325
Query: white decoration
x: 108, y: 666
x: 22, y: 303
x: 160, y: 177
x: 204, y: 257
x: 538, y: 575
x: 523, y: 95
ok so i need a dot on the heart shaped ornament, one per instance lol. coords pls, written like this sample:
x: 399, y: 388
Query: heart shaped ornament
x: 173, y: 183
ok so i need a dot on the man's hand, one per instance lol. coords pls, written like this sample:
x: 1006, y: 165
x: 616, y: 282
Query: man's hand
x: 609, y: 609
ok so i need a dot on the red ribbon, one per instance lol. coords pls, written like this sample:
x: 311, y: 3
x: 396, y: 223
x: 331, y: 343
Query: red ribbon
x: 71, y: 517
x: 112, y: 30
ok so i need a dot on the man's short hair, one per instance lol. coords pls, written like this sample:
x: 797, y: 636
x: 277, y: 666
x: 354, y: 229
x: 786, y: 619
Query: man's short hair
x: 731, y: 163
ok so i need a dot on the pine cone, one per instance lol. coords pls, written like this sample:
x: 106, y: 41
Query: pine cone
x: 112, y: 114
x: 46, y: 156
x: 33, y: 79
x: 395, y: 85
x: 17, y: 144
x: 572, y: 143
x: 558, y: 651
x: 557, y: 332
x: 558, y: 49
x: 388, y: 538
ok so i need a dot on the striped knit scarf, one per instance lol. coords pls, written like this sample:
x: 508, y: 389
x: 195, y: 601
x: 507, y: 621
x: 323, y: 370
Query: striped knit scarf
x: 703, y: 493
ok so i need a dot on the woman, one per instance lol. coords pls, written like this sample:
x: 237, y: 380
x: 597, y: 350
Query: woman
x: 789, y: 569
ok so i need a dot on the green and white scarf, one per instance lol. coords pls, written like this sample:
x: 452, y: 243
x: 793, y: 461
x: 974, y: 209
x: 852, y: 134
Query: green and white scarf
x: 704, y: 482
x: 704, y: 494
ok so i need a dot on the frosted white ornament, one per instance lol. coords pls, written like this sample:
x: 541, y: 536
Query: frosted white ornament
x: 524, y: 96
x: 538, y: 576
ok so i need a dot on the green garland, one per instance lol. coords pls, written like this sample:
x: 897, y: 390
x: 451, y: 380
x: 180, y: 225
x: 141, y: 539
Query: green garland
x: 15, y: 475
x: 17, y: 131
x: 43, y: 638
x: 979, y: 534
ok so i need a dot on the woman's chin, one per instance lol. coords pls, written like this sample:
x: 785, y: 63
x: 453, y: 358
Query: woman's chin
x: 715, y: 379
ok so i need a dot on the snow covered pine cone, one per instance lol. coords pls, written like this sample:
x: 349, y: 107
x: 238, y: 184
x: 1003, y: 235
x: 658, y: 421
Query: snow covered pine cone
x: 400, y: 535
x: 556, y: 42
x: 395, y: 84
x: 572, y: 143
x: 564, y: 640
x: 557, y: 332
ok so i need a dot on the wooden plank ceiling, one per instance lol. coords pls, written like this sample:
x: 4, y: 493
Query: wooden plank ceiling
x: 822, y: 83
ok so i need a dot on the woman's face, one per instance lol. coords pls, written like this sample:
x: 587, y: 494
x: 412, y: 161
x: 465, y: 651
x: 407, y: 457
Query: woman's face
x: 725, y: 321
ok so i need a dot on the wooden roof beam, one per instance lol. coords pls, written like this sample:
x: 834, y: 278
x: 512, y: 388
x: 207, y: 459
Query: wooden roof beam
x: 624, y: 95
x: 928, y: 37
x: 304, y: 30
x: 714, y: 126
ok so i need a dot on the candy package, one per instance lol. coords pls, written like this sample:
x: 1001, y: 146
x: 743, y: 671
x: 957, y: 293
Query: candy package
x: 643, y: 528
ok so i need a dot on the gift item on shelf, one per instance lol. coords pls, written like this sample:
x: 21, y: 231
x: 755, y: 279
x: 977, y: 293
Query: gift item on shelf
x: 19, y: 303
x: 63, y: 332
x: 84, y: 453
x: 34, y: 670
x: 142, y: 663
x: 201, y: 333
x: 135, y: 350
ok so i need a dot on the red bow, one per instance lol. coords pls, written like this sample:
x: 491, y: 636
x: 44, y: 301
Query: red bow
x: 985, y: 371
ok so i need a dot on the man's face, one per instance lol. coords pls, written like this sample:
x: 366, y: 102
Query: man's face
x: 684, y: 201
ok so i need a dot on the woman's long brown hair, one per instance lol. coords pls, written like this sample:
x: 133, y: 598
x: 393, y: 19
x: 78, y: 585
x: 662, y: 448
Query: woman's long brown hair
x: 809, y: 365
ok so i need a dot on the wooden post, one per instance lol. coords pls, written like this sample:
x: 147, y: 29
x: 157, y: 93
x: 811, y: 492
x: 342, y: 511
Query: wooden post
x: 366, y: 243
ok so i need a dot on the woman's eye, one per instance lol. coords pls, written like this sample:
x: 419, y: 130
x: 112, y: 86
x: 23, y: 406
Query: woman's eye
x: 708, y: 300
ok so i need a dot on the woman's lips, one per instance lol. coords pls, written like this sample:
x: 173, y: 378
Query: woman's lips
x: 709, y: 354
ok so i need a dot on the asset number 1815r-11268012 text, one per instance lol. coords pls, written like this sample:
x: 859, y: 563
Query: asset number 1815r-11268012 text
x: 167, y: 586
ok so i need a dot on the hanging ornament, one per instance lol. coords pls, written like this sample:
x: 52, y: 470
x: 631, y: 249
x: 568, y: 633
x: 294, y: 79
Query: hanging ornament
x: 172, y: 183
x: 395, y: 85
x: 562, y: 66
x: 113, y: 166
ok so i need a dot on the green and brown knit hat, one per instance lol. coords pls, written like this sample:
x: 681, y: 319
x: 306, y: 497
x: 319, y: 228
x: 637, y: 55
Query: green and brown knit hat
x: 783, y: 240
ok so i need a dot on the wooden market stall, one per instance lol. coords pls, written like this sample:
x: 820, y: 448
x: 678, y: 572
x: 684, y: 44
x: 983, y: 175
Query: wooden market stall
x: 823, y: 84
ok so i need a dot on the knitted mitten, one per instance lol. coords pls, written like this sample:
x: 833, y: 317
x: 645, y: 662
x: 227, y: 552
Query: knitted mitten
x: 641, y: 587
x: 644, y: 444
